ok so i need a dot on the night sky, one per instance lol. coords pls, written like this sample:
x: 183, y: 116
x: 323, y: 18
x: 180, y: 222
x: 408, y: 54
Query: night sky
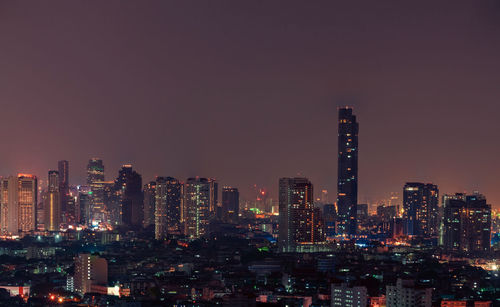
x: 247, y: 91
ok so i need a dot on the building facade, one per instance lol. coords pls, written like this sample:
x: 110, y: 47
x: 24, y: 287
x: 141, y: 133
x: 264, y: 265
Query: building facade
x: 347, y: 179
x: 421, y: 209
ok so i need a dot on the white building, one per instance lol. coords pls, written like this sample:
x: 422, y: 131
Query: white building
x: 345, y: 296
x: 405, y: 294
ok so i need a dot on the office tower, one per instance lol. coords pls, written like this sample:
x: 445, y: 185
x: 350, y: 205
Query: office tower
x: 89, y: 270
x: 466, y: 223
x: 296, y: 214
x: 52, y: 206
x: 330, y: 219
x: 345, y: 296
x: 214, y: 195
x: 149, y: 191
x: 84, y: 207
x: 421, y: 210
x: 63, y: 169
x: 347, y: 182
x: 95, y: 179
x: 129, y: 186
x: 167, y: 206
x: 405, y: 294
x: 230, y: 204
x: 19, y: 202
x: 197, y: 206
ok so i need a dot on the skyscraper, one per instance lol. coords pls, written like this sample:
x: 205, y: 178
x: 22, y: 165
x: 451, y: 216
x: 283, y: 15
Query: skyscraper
x: 197, y: 204
x: 420, y: 205
x: 63, y: 169
x: 95, y: 179
x: 149, y: 191
x: 347, y: 182
x: 230, y: 204
x: 18, y: 207
x: 167, y: 206
x: 466, y: 223
x: 296, y: 214
x: 52, y: 206
x: 129, y: 186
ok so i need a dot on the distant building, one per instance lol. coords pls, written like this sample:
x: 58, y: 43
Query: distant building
x: 345, y: 296
x: 230, y: 204
x: 362, y: 213
x: 149, y: 191
x: 18, y: 204
x: 406, y: 294
x: 386, y: 213
x: 330, y: 219
x: 167, y: 214
x: 128, y: 185
x: 89, y: 270
x: 95, y: 179
x: 347, y: 181
x: 52, y: 206
x: 466, y: 223
x: 421, y: 209
x: 198, y: 208
x: 297, y: 215
x: 67, y: 215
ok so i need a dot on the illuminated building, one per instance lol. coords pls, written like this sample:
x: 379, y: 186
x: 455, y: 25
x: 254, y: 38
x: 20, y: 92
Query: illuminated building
x: 296, y: 214
x: 95, y: 179
x: 198, y: 206
x: 84, y: 206
x: 149, y: 191
x: 89, y: 270
x: 347, y: 184
x: 63, y: 169
x: 230, y: 204
x: 421, y: 211
x: 345, y: 296
x: 167, y: 207
x: 19, y: 201
x: 129, y: 186
x: 52, y: 206
x: 330, y: 219
x: 466, y: 223
x: 405, y: 294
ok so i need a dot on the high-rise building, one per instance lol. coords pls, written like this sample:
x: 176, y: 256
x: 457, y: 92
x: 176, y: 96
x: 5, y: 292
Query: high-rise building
x: 84, y: 206
x: 167, y: 206
x: 52, y: 206
x: 95, y: 179
x: 230, y: 204
x: 129, y: 186
x: 89, y: 270
x: 198, y: 206
x: 19, y: 202
x: 330, y: 219
x: 63, y: 169
x: 149, y: 191
x: 347, y: 182
x: 421, y: 209
x: 296, y: 214
x: 466, y: 223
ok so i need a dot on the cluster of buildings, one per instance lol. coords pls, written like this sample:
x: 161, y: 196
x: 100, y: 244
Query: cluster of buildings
x: 176, y: 242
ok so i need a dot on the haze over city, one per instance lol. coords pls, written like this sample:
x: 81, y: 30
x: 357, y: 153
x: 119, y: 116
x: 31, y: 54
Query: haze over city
x: 247, y: 92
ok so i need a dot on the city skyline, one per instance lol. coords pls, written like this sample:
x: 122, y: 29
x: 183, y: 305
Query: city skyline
x: 250, y: 153
x: 250, y: 96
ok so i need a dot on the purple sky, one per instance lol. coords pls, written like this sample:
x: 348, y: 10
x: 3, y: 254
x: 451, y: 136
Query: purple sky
x: 247, y: 91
